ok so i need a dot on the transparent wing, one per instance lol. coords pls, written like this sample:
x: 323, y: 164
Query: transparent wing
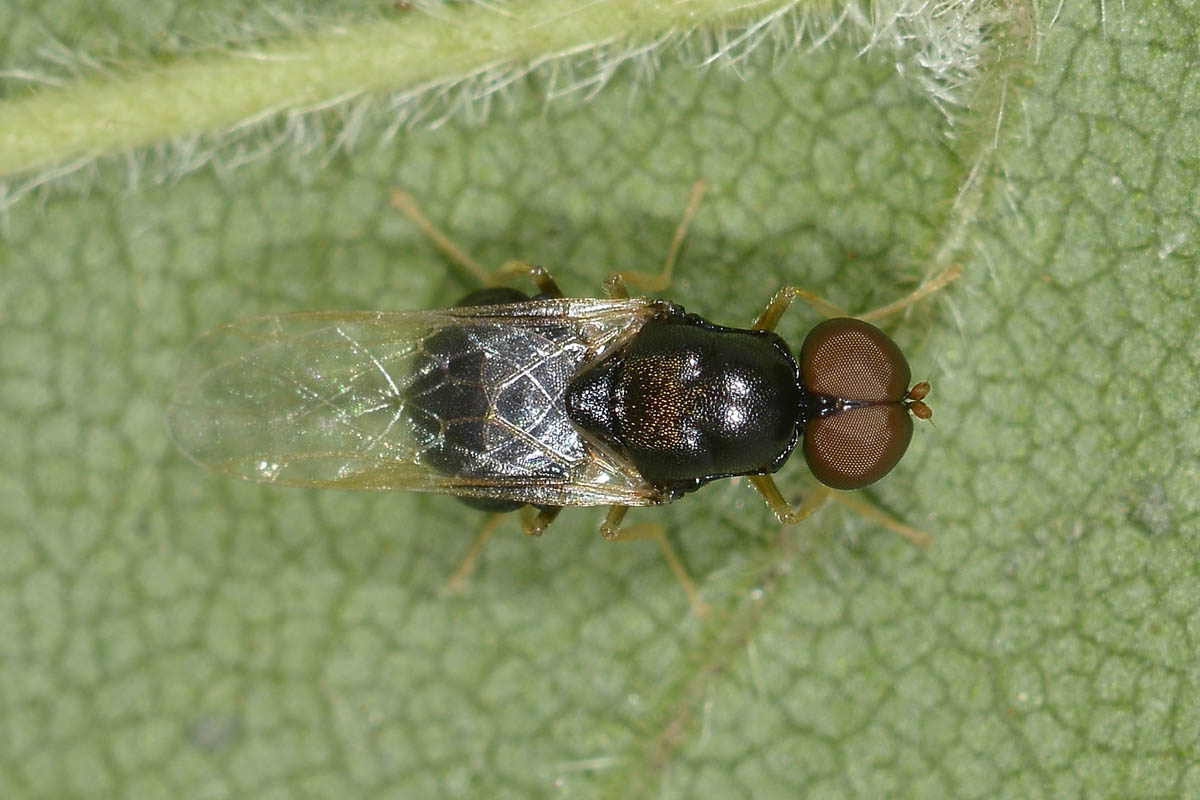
x: 466, y: 401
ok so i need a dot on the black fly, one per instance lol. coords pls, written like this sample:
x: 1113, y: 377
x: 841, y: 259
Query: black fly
x: 508, y: 400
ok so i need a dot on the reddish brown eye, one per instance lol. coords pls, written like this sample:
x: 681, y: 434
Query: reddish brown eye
x: 853, y: 360
x: 856, y: 447
x: 851, y: 363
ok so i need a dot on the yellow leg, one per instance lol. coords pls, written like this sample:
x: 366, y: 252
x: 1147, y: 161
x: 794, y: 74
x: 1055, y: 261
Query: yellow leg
x: 407, y: 206
x: 536, y: 524
x: 612, y: 531
x: 511, y: 269
x: 784, y: 511
x: 519, y: 269
x: 788, y: 515
x: 784, y: 297
x: 931, y: 286
x: 850, y: 501
x: 615, y: 284
x: 458, y: 581
x: 533, y: 524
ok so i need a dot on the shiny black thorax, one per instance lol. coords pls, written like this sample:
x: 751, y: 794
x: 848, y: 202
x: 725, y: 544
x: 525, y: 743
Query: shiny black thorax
x: 686, y: 401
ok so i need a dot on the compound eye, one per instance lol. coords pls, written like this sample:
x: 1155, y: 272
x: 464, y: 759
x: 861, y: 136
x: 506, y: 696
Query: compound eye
x: 856, y: 447
x: 853, y: 360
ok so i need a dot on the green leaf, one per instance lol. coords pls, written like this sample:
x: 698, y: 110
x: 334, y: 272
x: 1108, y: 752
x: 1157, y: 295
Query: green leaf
x: 170, y: 633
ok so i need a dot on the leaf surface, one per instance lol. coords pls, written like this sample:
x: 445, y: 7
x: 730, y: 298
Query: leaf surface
x: 169, y: 632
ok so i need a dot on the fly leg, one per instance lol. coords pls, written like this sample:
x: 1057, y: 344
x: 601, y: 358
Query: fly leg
x: 517, y: 269
x: 784, y: 297
x: 783, y: 300
x: 533, y: 525
x: 918, y: 537
x: 536, y: 524
x: 458, y: 580
x: 614, y: 284
x: 512, y: 269
x: 784, y: 512
x: 788, y: 515
x: 408, y: 207
x: 931, y: 286
x: 612, y: 531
